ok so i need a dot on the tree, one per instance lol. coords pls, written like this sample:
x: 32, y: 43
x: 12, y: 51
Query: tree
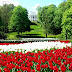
x: 42, y: 18
x: 38, y: 8
x: 1, y: 25
x: 58, y: 21
x: 6, y: 14
x: 65, y: 5
x: 50, y: 18
x: 69, y: 4
x: 62, y: 6
x: 67, y: 23
x: 46, y: 16
x: 19, y: 20
x: 41, y: 14
x: 69, y: 1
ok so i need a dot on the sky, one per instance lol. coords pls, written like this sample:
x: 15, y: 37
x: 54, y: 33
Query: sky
x: 31, y: 5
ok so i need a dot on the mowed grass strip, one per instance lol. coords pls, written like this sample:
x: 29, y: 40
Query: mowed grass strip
x: 35, y: 29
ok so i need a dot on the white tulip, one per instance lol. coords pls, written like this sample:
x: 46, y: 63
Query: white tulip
x: 34, y: 45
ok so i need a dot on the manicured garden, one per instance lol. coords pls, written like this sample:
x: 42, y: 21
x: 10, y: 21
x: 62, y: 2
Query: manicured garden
x: 55, y: 60
x: 37, y: 60
x: 31, y: 46
x: 40, y: 55
x: 36, y: 32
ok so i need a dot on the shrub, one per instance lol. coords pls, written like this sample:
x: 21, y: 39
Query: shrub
x: 2, y: 35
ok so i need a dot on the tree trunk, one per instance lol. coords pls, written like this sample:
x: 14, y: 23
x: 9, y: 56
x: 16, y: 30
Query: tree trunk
x: 66, y: 36
x: 4, y: 27
x: 18, y: 32
x: 46, y: 35
x: 21, y: 32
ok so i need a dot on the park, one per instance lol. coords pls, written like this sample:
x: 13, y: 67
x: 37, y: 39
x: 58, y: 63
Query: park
x: 36, y: 42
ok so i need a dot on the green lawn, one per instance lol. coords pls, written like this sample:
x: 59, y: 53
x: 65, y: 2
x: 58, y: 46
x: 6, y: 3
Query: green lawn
x: 36, y: 32
x: 36, y: 29
x: 11, y: 35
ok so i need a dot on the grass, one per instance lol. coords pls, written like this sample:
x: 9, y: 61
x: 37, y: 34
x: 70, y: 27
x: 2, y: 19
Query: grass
x: 36, y: 29
x: 36, y: 32
x: 11, y: 35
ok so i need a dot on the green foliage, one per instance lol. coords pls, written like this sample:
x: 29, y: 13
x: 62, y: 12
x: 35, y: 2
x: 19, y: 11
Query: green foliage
x: 38, y: 8
x: 51, y: 18
x: 46, y: 16
x: 11, y: 37
x: 5, y: 13
x: 57, y: 21
x: 65, y: 6
x: 67, y: 23
x: 19, y: 20
x: 69, y: 1
x: 70, y: 40
x: 2, y: 35
x: 1, y: 25
x: 62, y: 6
x: 36, y: 30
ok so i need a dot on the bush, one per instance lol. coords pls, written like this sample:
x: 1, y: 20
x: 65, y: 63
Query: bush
x: 2, y: 35
x: 11, y: 37
x: 71, y: 37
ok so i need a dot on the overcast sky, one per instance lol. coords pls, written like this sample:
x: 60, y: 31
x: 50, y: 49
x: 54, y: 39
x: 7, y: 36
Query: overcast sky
x: 31, y: 5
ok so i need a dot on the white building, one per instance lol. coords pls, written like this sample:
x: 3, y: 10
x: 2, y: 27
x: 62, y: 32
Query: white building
x: 32, y: 16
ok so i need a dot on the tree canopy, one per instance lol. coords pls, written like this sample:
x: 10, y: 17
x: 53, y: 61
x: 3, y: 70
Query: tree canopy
x: 5, y: 11
x: 57, y: 20
x: 46, y: 16
x: 67, y: 23
x: 19, y: 20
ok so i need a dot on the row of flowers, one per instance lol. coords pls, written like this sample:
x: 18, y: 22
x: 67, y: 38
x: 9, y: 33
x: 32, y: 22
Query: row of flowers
x: 55, y: 60
x: 30, y: 46
x: 62, y: 41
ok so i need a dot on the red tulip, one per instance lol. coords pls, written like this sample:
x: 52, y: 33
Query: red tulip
x: 63, y: 68
x: 33, y: 70
x: 18, y: 71
x: 6, y: 70
x: 0, y: 70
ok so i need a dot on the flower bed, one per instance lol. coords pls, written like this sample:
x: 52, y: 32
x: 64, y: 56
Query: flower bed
x: 30, y: 46
x: 4, y: 42
x: 47, y: 56
x: 57, y: 60
x: 65, y: 41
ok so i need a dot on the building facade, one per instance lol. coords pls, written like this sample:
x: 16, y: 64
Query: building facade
x: 32, y: 16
